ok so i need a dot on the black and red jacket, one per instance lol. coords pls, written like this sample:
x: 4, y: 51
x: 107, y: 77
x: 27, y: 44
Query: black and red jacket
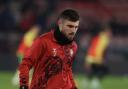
x: 52, y: 63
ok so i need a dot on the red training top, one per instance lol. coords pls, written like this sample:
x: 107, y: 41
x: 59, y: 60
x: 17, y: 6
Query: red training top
x: 52, y: 64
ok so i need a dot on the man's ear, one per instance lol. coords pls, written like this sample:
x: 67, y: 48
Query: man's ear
x: 59, y: 22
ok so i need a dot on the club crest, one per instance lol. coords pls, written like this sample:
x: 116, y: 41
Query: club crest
x: 54, y: 52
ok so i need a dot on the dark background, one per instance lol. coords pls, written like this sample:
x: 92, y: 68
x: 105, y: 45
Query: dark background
x: 17, y: 16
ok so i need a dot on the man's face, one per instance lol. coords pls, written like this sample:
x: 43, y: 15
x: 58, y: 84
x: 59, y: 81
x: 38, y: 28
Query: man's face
x: 68, y: 28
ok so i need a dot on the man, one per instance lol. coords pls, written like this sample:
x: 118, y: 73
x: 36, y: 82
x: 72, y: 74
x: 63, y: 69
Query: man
x: 51, y: 56
x: 95, y: 64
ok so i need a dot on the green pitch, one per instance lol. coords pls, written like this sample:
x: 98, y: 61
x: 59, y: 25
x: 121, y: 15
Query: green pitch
x: 110, y: 82
x: 5, y: 81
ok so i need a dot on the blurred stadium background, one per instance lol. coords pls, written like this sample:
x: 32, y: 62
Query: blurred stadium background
x: 17, y: 16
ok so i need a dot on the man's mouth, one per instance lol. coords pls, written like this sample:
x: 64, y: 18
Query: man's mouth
x: 72, y: 34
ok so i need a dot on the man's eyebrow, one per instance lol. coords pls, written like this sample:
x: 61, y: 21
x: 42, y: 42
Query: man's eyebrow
x: 71, y: 25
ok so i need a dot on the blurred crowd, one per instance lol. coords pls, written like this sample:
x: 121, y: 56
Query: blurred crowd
x: 18, y: 16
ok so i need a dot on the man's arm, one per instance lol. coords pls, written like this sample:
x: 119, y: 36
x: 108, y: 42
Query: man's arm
x: 31, y: 57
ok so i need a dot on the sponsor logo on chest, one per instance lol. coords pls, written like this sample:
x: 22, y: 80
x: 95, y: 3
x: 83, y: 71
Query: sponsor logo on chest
x: 71, y: 52
x: 55, y: 51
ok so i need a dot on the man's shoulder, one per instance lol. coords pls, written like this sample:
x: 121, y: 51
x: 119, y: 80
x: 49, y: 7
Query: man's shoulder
x: 74, y: 44
x: 44, y: 38
x: 46, y: 35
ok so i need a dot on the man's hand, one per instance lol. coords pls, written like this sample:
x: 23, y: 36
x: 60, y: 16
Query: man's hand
x: 75, y: 88
x: 23, y: 87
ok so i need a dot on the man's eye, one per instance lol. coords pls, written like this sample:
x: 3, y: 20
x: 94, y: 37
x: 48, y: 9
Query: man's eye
x: 70, y: 26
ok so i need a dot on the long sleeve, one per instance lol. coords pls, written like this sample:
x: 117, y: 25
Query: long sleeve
x: 74, y: 85
x: 31, y: 57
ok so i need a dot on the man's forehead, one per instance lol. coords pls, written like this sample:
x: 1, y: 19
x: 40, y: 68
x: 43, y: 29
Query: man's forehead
x: 68, y: 22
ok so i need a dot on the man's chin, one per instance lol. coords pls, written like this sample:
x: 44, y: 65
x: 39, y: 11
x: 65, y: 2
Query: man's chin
x: 71, y: 38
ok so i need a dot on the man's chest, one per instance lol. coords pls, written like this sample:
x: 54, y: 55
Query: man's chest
x: 55, y: 50
x: 57, y: 58
x: 59, y: 55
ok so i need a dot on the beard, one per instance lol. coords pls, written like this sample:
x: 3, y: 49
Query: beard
x: 63, y: 38
x: 70, y: 37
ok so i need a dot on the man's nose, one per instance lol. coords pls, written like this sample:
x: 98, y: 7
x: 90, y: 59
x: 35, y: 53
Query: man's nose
x: 74, y: 29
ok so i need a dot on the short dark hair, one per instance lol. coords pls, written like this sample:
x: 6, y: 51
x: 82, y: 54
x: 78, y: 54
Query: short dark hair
x: 69, y: 14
